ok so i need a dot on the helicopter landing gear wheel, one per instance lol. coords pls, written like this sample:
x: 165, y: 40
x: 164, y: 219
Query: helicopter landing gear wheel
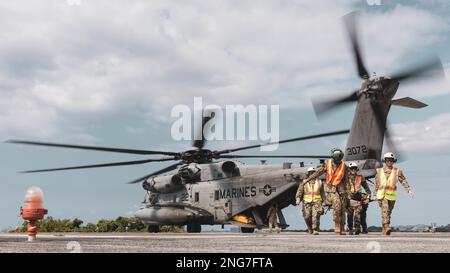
x: 153, y: 228
x: 247, y: 230
x: 193, y: 228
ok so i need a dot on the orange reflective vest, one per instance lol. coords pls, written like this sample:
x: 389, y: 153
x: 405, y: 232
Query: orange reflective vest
x: 388, y: 185
x: 312, y: 191
x: 335, y: 176
x: 356, y: 186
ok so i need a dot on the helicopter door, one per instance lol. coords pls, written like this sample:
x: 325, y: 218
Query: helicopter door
x: 223, y: 210
x: 227, y: 207
x: 222, y: 207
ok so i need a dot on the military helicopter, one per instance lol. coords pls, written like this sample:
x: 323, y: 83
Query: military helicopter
x: 207, y: 187
x: 211, y: 187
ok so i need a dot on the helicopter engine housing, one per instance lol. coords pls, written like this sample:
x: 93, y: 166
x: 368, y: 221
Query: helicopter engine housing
x: 164, y: 184
x: 228, y: 166
x: 190, y: 173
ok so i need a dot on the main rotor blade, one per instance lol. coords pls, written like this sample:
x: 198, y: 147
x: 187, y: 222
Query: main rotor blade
x: 274, y: 156
x: 199, y: 143
x: 124, y: 163
x: 324, y: 106
x: 283, y: 141
x: 167, y: 169
x: 431, y: 68
x: 350, y: 25
x: 94, y: 148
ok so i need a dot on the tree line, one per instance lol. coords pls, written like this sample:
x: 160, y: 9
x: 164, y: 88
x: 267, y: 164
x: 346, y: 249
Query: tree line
x: 120, y: 224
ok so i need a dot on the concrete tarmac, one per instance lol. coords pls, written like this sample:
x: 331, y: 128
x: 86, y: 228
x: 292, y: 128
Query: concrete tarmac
x: 226, y: 242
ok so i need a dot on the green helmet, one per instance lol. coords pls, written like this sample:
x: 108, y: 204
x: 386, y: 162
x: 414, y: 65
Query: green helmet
x: 337, y: 154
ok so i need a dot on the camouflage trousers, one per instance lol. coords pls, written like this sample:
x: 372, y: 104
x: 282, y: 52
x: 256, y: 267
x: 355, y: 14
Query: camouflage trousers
x: 339, y: 205
x: 354, y: 217
x: 386, y: 210
x: 312, y: 212
x: 273, y: 221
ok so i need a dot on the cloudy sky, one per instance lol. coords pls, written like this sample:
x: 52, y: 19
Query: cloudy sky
x: 109, y: 72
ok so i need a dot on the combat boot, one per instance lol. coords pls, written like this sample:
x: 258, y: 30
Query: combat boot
x: 387, y: 229
x: 357, y: 231
x: 350, y: 232
x: 343, y: 230
x: 337, y: 229
x: 315, y: 232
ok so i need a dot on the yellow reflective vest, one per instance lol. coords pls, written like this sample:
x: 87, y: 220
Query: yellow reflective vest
x: 388, y: 185
x: 313, y: 191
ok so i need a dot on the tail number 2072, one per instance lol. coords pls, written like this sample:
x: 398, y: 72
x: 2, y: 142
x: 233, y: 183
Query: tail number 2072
x: 357, y: 150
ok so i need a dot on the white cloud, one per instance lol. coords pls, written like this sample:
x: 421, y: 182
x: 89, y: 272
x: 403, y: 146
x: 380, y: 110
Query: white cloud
x: 102, y: 57
x: 431, y: 136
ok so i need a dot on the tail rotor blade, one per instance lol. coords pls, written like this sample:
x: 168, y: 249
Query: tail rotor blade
x: 350, y: 25
x: 322, y: 107
x: 382, y: 122
x: 431, y: 68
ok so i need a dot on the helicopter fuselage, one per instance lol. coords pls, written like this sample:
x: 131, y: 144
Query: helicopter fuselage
x: 239, y: 195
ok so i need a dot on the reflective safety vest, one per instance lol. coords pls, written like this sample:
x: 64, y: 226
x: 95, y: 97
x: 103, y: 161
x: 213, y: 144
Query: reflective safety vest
x: 356, y: 186
x: 335, y: 176
x: 388, y: 185
x: 312, y: 192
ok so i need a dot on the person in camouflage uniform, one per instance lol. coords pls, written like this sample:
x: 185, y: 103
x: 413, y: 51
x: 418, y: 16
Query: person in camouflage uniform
x: 336, y: 187
x: 312, y: 193
x: 386, y: 189
x: 272, y: 217
x: 356, y: 183
x: 365, y: 205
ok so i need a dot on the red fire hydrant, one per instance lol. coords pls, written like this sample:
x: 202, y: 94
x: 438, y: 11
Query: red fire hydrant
x: 33, y: 210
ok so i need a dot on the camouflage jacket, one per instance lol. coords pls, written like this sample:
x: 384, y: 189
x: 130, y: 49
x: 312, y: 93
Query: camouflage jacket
x: 341, y: 189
